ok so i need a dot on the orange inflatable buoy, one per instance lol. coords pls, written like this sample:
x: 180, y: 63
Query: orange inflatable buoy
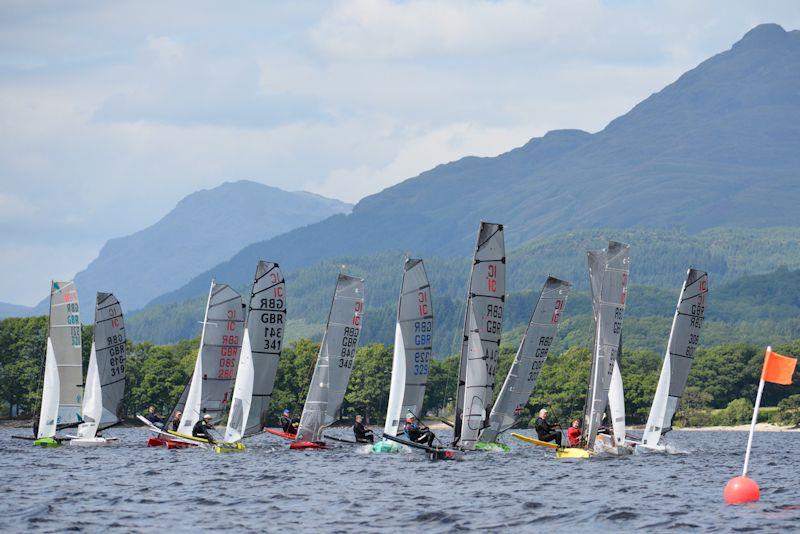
x: 740, y: 490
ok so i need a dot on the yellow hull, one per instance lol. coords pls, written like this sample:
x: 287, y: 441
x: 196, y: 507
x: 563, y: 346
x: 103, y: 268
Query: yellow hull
x: 565, y: 452
x: 230, y: 447
x: 572, y: 452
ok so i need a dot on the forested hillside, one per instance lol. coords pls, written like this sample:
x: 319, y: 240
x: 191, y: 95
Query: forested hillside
x: 721, y: 375
x: 659, y: 259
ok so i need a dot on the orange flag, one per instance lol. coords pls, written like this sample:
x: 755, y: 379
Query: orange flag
x: 778, y: 369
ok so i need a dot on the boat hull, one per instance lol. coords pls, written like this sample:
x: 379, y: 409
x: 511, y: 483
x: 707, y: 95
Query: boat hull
x: 280, y: 433
x: 384, y: 447
x: 492, y: 447
x: 572, y: 452
x: 301, y: 445
x: 229, y: 447
x: 47, y: 442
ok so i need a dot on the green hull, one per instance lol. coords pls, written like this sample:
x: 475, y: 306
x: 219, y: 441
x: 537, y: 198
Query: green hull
x: 492, y: 447
x: 386, y: 446
x: 46, y: 442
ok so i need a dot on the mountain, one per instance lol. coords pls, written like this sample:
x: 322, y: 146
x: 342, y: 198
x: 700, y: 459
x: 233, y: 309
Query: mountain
x: 204, y: 228
x: 15, y: 310
x: 718, y: 147
x: 659, y: 259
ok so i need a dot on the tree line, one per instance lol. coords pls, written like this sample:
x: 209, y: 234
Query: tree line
x: 722, y: 381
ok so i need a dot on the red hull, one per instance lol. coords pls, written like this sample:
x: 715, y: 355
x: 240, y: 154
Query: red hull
x: 299, y: 445
x: 280, y: 433
x: 168, y: 443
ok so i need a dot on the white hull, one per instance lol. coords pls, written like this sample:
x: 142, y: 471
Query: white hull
x: 93, y: 442
x: 604, y: 445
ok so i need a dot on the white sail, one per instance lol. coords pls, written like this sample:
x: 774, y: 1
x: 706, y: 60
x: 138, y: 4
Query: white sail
x: 217, y: 357
x: 616, y: 404
x: 65, y: 334
x: 608, y: 276
x: 530, y: 358
x: 683, y: 339
x: 412, y: 346
x: 335, y: 359
x: 242, y: 394
x: 480, y: 348
x: 48, y: 412
x: 92, y: 410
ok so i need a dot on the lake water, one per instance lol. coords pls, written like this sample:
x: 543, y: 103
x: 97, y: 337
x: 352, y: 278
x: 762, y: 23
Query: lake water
x: 270, y: 488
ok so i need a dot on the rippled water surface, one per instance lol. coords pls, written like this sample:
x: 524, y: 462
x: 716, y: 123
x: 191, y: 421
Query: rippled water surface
x: 270, y: 488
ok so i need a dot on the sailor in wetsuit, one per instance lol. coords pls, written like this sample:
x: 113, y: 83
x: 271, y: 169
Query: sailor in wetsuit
x: 545, y: 430
x: 153, y: 417
x: 418, y: 433
x: 362, y: 433
x: 202, y: 427
x: 176, y: 421
x: 288, y: 424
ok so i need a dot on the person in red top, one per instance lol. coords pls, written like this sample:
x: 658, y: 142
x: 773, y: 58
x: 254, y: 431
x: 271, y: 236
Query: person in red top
x: 574, y: 433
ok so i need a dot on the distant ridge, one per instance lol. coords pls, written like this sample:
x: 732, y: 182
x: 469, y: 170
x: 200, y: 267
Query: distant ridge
x: 716, y: 148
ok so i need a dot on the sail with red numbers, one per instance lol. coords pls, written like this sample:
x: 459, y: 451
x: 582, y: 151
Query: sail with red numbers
x: 608, y: 276
x: 480, y: 348
x: 261, y: 350
x: 683, y: 340
x: 209, y: 390
x: 334, y: 362
x: 530, y: 358
x: 412, y: 347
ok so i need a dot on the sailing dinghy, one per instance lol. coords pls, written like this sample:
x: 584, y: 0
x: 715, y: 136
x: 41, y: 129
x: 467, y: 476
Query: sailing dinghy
x: 413, y: 351
x: 531, y: 356
x: 105, y: 377
x: 480, y: 348
x: 209, y: 390
x: 62, y: 381
x: 683, y: 339
x: 258, y: 363
x: 334, y: 363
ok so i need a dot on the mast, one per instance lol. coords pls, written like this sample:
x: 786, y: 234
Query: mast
x: 684, y: 337
x: 335, y: 359
x: 413, y: 349
x: 480, y: 349
x: 531, y: 356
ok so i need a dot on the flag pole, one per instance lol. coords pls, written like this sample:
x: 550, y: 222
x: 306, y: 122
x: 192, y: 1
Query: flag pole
x: 755, y: 419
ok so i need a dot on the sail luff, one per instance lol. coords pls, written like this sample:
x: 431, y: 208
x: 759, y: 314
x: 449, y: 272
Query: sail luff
x: 683, y: 340
x: 531, y: 356
x: 335, y: 359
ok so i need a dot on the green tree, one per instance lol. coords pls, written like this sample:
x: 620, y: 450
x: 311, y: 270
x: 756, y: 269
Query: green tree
x: 368, y: 391
x: 789, y: 411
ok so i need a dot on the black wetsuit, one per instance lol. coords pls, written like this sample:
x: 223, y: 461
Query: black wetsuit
x: 363, y: 434
x: 419, y: 434
x: 201, y: 430
x: 175, y: 424
x: 154, y: 418
x: 287, y: 424
x: 547, y: 432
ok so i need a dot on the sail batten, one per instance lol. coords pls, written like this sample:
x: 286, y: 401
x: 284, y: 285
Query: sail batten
x: 413, y: 350
x: 683, y: 340
x: 531, y: 356
x: 480, y: 348
x: 339, y: 342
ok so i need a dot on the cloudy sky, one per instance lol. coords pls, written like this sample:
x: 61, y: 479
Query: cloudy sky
x: 111, y: 112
